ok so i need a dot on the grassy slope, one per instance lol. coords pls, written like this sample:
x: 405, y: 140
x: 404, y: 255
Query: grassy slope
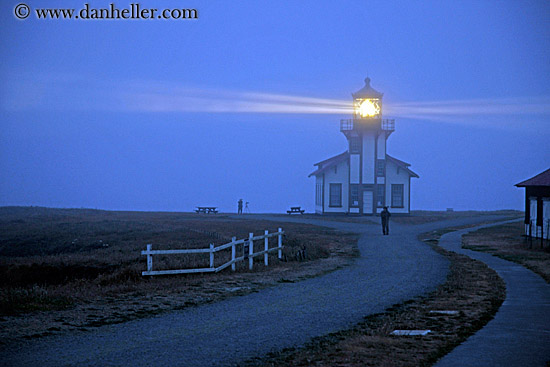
x: 63, y: 269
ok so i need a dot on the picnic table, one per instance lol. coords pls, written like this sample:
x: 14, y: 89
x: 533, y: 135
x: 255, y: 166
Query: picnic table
x: 206, y: 209
x: 295, y: 209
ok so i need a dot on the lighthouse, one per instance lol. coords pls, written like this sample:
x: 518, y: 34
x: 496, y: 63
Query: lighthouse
x: 365, y: 178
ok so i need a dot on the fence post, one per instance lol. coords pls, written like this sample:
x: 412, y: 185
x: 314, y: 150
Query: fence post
x: 530, y: 233
x: 250, y: 251
x: 266, y: 247
x: 233, y: 253
x: 149, y: 258
x: 211, y: 255
x: 280, y: 243
x: 542, y: 235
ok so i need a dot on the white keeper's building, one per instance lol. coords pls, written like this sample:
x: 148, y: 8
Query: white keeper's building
x: 365, y: 178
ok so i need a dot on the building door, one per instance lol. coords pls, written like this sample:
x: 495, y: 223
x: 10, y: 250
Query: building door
x: 367, y: 202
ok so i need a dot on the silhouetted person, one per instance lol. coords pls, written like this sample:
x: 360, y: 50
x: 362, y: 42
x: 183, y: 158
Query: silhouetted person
x: 385, y: 216
x: 240, y: 206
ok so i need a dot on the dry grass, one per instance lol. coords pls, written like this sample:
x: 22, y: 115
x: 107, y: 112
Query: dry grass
x: 416, y: 217
x: 425, y: 216
x: 471, y: 288
x: 63, y: 269
x: 507, y: 241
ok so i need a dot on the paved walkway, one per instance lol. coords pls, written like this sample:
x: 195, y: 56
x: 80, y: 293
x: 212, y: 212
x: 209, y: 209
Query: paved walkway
x: 390, y: 270
x: 519, y: 335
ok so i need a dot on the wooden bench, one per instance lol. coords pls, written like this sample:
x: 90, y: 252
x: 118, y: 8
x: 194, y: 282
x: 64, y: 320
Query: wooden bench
x: 206, y: 209
x: 295, y: 210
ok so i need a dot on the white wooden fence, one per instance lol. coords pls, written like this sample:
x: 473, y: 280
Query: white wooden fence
x: 247, y: 242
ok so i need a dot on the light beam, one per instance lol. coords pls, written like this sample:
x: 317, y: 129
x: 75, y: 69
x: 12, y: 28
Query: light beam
x: 67, y: 92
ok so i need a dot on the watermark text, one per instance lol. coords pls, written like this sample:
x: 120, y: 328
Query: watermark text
x: 134, y: 11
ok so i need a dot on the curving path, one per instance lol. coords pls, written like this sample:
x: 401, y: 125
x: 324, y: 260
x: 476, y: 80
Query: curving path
x: 519, y: 334
x: 390, y: 270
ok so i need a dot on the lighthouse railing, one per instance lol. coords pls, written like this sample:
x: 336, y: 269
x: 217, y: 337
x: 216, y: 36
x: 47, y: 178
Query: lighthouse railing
x: 346, y: 124
x: 388, y: 124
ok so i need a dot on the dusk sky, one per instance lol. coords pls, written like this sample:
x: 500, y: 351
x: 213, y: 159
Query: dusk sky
x: 241, y: 102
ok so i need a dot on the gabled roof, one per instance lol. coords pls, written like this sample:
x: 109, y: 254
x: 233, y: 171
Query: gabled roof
x: 401, y: 164
x: 398, y: 161
x: 323, y: 166
x: 542, y: 179
x: 336, y: 157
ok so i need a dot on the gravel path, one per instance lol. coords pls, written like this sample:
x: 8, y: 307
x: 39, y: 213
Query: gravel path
x: 390, y: 269
x: 519, y: 335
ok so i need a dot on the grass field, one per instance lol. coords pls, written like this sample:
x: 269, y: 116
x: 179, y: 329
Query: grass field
x: 67, y: 269
x: 63, y: 269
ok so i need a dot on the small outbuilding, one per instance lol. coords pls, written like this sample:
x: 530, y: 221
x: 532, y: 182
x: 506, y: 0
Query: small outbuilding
x: 537, y: 205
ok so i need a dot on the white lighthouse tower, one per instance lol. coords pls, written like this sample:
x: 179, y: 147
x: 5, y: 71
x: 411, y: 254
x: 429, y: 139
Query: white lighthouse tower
x: 365, y: 178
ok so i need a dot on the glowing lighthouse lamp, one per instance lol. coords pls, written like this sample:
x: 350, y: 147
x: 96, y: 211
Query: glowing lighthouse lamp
x: 367, y: 108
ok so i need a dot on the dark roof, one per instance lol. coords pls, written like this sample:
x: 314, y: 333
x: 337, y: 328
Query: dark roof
x: 542, y: 179
x: 336, y: 157
x: 367, y: 91
x: 323, y: 166
x: 398, y: 161
x: 401, y: 164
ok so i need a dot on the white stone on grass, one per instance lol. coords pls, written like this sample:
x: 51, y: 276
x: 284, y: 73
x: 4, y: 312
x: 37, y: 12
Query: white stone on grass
x: 410, y: 332
x: 445, y: 312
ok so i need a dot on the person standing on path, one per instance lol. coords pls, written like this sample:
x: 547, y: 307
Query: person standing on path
x: 240, y: 206
x: 385, y: 216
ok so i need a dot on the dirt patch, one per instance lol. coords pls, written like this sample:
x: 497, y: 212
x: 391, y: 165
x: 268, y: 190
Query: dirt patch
x: 507, y: 241
x: 67, y: 269
x: 472, y: 289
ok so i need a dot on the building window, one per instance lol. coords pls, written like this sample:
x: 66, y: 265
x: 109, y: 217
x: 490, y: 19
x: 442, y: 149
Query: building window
x: 355, y: 145
x: 354, y: 195
x: 397, y: 195
x: 319, y: 194
x: 335, y: 195
x: 380, y: 168
x: 380, y: 195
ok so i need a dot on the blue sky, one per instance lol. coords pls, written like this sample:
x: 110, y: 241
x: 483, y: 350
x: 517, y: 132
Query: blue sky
x: 155, y: 114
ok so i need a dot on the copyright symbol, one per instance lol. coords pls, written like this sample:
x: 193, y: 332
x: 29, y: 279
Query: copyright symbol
x: 22, y: 11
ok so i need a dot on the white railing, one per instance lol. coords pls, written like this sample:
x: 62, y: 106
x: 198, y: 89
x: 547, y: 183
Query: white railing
x: 388, y: 124
x: 247, y: 242
x: 349, y: 124
x: 534, y: 231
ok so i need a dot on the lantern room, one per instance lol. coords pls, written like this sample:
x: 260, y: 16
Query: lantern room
x: 367, y: 102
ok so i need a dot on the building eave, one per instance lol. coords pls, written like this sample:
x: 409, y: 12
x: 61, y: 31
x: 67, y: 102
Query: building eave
x: 336, y: 157
x: 328, y: 163
x: 542, y: 179
x: 403, y: 165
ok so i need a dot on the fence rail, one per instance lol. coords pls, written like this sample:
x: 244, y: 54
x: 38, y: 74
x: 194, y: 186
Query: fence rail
x: 246, y: 242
